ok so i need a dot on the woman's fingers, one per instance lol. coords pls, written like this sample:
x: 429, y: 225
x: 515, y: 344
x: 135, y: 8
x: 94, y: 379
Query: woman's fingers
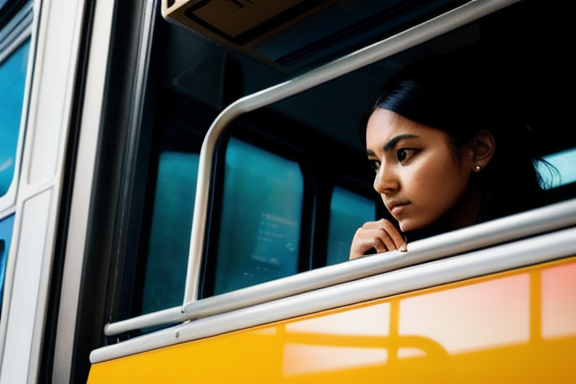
x: 380, y: 236
x: 393, y: 234
x: 385, y: 233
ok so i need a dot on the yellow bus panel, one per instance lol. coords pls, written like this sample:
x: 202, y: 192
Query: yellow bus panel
x: 512, y: 327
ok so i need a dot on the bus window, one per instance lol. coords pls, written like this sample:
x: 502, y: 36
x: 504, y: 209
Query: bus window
x: 12, y: 81
x: 260, y: 224
x: 169, y: 243
x: 348, y: 211
x: 6, y: 225
x: 159, y: 275
x: 563, y: 162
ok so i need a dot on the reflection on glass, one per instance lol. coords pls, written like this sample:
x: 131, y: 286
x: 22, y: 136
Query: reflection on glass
x: 259, y: 237
x: 564, y: 163
x: 348, y: 211
x: 12, y: 81
x: 6, y: 225
x: 170, y: 232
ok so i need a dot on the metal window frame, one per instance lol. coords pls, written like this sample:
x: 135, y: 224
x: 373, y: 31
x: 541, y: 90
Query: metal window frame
x: 506, y: 229
x: 346, y: 281
x: 366, y: 56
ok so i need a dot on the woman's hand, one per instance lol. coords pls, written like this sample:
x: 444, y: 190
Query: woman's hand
x: 380, y: 235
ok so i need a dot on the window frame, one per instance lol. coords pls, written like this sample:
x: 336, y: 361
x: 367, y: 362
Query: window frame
x: 275, y: 145
x: 201, y: 308
x: 13, y: 35
x: 378, y: 51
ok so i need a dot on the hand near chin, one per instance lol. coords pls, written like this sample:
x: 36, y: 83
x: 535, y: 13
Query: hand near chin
x: 376, y: 237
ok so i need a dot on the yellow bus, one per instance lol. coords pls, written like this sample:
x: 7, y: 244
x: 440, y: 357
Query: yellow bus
x: 180, y: 182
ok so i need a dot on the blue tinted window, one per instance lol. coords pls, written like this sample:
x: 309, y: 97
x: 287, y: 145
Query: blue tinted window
x: 261, y: 214
x: 348, y: 211
x: 169, y: 243
x: 6, y: 225
x: 565, y: 163
x: 12, y: 81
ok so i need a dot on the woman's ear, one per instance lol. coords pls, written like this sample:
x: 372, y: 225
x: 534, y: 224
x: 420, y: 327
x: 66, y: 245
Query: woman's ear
x: 482, y: 149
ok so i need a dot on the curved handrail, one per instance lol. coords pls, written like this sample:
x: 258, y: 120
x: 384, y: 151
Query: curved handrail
x: 363, y: 57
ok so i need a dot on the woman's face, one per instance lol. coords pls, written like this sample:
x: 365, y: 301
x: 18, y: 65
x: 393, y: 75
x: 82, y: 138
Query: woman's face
x: 418, y: 173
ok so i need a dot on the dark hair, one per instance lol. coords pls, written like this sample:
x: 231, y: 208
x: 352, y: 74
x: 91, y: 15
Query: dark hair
x: 462, y: 98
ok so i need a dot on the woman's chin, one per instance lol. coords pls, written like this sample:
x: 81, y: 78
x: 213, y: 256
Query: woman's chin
x: 408, y: 226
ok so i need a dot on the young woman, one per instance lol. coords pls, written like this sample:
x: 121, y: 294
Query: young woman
x: 448, y: 152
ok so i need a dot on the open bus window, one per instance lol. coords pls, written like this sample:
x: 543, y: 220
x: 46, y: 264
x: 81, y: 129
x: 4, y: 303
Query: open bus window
x: 260, y: 226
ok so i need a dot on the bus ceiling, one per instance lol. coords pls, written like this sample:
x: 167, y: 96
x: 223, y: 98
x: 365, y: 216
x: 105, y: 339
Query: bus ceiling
x: 292, y: 36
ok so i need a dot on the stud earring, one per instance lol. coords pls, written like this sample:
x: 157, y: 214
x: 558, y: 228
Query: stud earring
x: 477, y: 168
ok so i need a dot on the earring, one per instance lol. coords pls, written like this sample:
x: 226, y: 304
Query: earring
x: 477, y: 168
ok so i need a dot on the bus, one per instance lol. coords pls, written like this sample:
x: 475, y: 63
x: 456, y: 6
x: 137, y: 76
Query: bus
x: 181, y: 180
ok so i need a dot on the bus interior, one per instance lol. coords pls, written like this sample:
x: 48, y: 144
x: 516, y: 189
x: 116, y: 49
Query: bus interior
x: 312, y: 189
x: 289, y: 183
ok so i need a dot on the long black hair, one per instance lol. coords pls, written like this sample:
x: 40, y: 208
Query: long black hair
x: 462, y: 97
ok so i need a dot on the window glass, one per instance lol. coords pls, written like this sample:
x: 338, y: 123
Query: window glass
x: 565, y: 163
x: 5, y: 236
x: 348, y: 211
x: 12, y: 81
x: 169, y: 243
x: 260, y: 224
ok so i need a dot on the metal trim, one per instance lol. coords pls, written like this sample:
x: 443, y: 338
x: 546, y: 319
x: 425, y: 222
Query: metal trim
x: 84, y: 170
x: 509, y: 228
x: 466, y: 266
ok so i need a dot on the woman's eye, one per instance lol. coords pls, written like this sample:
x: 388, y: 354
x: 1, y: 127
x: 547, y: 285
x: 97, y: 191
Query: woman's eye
x: 405, y: 154
x: 375, y: 165
x: 401, y: 154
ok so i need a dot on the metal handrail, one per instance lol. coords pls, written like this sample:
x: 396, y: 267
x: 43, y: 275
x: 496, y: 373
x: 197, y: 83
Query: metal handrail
x: 363, y: 57
x: 549, y: 218
x: 539, y: 251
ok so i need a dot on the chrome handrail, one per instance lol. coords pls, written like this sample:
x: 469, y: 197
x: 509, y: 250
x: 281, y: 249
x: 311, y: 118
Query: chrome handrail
x: 530, y: 223
x: 537, y: 250
x: 363, y: 57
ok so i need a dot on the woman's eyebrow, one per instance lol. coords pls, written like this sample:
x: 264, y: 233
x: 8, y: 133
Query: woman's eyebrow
x: 393, y: 141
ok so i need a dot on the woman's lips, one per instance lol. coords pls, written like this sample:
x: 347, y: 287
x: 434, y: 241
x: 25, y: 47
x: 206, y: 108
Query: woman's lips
x: 396, y: 207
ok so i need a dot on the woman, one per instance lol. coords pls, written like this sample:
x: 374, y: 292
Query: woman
x: 448, y: 152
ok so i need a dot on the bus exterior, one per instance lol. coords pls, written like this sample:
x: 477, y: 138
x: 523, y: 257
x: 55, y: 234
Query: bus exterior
x: 180, y: 182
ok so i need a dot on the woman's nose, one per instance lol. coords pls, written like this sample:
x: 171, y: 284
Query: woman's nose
x: 385, y: 181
